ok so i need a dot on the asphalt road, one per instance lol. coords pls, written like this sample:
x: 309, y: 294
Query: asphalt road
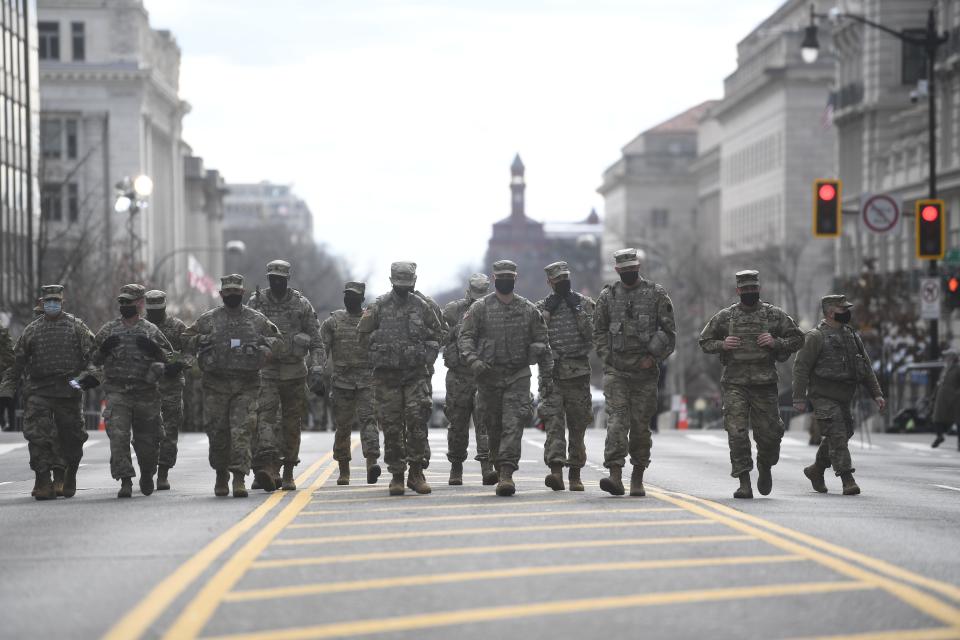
x: 687, y: 561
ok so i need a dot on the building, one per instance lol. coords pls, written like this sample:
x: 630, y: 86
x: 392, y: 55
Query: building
x: 253, y: 205
x: 19, y: 148
x: 578, y: 244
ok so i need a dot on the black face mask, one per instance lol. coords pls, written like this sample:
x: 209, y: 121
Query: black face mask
x: 278, y: 284
x: 156, y: 316
x: 842, y: 317
x: 562, y: 288
x: 128, y: 310
x: 232, y: 300
x: 629, y: 277
x: 352, y: 301
x: 750, y: 299
x: 402, y: 290
x: 504, y: 285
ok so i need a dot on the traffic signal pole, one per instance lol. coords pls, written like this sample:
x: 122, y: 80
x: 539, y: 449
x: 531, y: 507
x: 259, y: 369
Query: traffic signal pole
x: 933, y: 42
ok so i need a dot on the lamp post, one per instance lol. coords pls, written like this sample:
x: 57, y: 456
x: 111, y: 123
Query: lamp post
x: 131, y: 198
x: 930, y: 41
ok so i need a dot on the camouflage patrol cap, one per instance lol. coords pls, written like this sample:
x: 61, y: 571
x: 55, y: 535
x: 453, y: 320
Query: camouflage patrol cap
x: 51, y: 292
x: 748, y: 278
x: 834, y: 300
x: 479, y: 284
x: 156, y: 299
x: 278, y: 268
x: 505, y: 268
x: 356, y: 287
x: 131, y: 293
x: 232, y: 282
x: 403, y: 273
x: 626, y: 258
x: 557, y: 270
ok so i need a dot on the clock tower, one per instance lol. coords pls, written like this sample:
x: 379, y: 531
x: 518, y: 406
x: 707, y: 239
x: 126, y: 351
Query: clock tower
x: 517, y: 188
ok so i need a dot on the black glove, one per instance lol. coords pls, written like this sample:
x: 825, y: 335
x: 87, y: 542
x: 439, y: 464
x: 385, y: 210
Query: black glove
x: 552, y: 302
x: 109, y: 344
x: 150, y: 348
x: 88, y: 382
x: 174, y: 369
x: 573, y: 301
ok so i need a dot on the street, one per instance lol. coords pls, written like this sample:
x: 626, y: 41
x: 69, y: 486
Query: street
x: 687, y: 561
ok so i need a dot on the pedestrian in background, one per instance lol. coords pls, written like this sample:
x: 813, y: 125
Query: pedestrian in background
x: 947, y: 400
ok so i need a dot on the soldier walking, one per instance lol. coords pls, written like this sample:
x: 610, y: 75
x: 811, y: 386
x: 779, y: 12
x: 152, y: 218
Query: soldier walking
x: 461, y: 388
x: 52, y: 360
x: 7, y: 403
x: 171, y: 384
x: 751, y: 337
x: 283, y: 391
x: 633, y: 332
x: 946, y: 405
x: 352, y: 385
x: 827, y: 371
x: 502, y: 333
x: 402, y: 335
x: 569, y: 319
x: 133, y: 353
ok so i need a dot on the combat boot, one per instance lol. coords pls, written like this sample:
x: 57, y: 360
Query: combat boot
x: 416, y: 481
x: 275, y: 474
x: 58, y: 482
x: 554, y: 479
x: 70, y: 481
x: 456, y: 474
x: 126, y: 488
x: 396, y: 484
x: 850, y: 487
x: 220, y: 488
x: 373, y: 471
x: 636, y: 482
x: 576, y: 484
x: 489, y: 474
x: 239, y: 485
x: 45, y: 489
x: 746, y: 489
x: 163, y: 484
x: 764, y: 479
x: 287, y: 483
x: 256, y: 483
x: 146, y: 480
x: 614, y: 483
x: 814, y: 473
x: 36, y: 484
x: 344, y: 478
x: 505, y: 485
x: 262, y: 479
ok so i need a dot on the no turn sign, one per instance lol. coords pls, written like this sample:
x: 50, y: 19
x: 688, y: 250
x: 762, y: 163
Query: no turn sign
x: 930, y: 298
x: 880, y: 213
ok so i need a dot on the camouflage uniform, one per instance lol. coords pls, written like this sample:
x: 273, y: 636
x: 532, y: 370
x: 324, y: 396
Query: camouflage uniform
x: 171, y: 385
x: 749, y: 381
x: 6, y: 361
x: 430, y: 370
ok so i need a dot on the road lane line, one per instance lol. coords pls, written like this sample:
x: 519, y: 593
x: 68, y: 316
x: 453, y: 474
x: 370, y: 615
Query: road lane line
x: 139, y: 619
x: 419, y: 506
x: 939, y: 633
x: 495, y: 574
x: 447, y: 552
x: 413, y: 498
x: 558, y: 607
x: 475, y: 516
x: 917, y: 599
x: 946, y: 486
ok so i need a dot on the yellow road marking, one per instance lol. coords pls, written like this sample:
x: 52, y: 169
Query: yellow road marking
x: 491, y: 550
x: 476, y: 516
x: 940, y: 633
x: 412, y: 498
x: 444, y: 533
x: 421, y: 506
x: 915, y: 598
x: 513, y: 572
x: 139, y: 619
x: 488, y: 614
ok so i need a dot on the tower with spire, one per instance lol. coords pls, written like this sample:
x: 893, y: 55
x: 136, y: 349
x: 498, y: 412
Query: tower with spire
x: 518, y: 187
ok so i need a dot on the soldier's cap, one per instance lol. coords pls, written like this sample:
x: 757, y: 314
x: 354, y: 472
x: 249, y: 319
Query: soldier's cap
x: 356, y: 287
x: 748, y: 278
x: 278, y: 268
x: 131, y: 293
x: 505, y: 268
x: 232, y: 282
x: 156, y: 299
x: 835, y: 300
x: 557, y: 270
x: 51, y: 292
x: 479, y: 283
x: 403, y: 274
x: 626, y: 258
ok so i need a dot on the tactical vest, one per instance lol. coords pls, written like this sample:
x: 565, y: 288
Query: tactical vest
x: 55, y: 348
x: 287, y: 314
x: 506, y: 333
x: 234, y: 344
x: 838, y: 356
x: 748, y: 326
x: 346, y: 352
x: 565, y: 338
x: 398, y: 343
x: 127, y: 361
x: 451, y: 352
x: 633, y: 318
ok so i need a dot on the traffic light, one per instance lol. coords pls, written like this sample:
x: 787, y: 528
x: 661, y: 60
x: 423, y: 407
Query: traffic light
x: 826, y: 208
x: 931, y: 229
x: 952, y: 297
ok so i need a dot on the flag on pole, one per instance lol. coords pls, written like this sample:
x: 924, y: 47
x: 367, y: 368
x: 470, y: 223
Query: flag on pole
x: 198, y: 279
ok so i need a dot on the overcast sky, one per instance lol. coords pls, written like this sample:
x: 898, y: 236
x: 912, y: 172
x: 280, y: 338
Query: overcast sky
x: 397, y: 121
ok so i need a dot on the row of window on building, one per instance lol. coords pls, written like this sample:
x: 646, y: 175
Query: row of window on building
x: 756, y: 159
x: 59, y: 138
x: 48, y: 41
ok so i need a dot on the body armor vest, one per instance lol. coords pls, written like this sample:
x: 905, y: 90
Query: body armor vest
x: 451, y: 352
x: 398, y: 343
x: 347, y: 352
x: 633, y: 318
x: 506, y: 335
x: 234, y: 344
x: 565, y: 338
x: 748, y: 327
x: 838, y: 356
x: 127, y: 361
x: 55, y: 348
x: 287, y: 315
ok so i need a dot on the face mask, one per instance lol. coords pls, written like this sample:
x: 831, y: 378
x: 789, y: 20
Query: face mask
x: 504, y: 285
x: 402, y: 290
x: 156, y: 316
x: 128, y: 310
x: 52, y: 307
x: 278, y: 284
x: 750, y: 299
x: 843, y: 317
x: 629, y: 277
x: 352, y: 301
x: 562, y: 288
x: 232, y: 300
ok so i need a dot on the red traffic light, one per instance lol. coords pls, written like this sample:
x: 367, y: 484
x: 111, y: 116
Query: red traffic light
x: 953, y: 284
x: 930, y: 213
x: 827, y: 192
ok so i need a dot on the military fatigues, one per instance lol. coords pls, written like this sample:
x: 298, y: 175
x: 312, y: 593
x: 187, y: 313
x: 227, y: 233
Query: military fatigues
x: 6, y: 361
x: 171, y: 395
x: 461, y: 388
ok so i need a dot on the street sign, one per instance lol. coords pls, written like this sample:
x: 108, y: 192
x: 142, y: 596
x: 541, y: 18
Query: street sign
x: 880, y: 213
x: 930, y: 297
x: 952, y: 257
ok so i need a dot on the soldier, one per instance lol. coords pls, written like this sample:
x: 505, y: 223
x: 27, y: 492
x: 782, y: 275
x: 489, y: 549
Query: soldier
x: 52, y: 358
x: 461, y: 388
x: 283, y: 391
x: 402, y: 335
x: 352, y: 383
x: 502, y: 333
x: 133, y: 353
x: 171, y: 384
x: 7, y: 403
x: 947, y: 398
x: 633, y: 332
x: 751, y: 337
x: 569, y: 319
x: 232, y: 344
x: 827, y: 371
x: 430, y: 369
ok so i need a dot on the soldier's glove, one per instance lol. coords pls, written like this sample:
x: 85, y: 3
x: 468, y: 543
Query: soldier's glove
x: 87, y: 381
x: 546, y: 387
x: 552, y: 302
x: 109, y: 344
x: 150, y: 348
x: 174, y: 369
x: 316, y: 382
x: 573, y: 301
x: 479, y: 367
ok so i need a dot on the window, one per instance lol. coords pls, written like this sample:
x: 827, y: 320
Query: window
x: 73, y: 202
x: 78, y: 37
x: 913, y: 59
x: 71, y: 127
x: 51, y: 202
x: 48, y: 40
x: 659, y: 218
x: 51, y: 138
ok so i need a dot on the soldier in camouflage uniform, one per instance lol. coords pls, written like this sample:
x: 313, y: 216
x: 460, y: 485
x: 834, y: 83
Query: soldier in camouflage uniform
x: 402, y: 334
x: 52, y: 359
x: 569, y: 319
x: 283, y: 391
x: 827, y: 371
x: 352, y: 382
x: 430, y: 369
x: 633, y: 332
x: 461, y: 388
x: 751, y: 337
x: 501, y: 335
x: 171, y: 384
x: 133, y: 353
x: 232, y: 344
x: 7, y: 403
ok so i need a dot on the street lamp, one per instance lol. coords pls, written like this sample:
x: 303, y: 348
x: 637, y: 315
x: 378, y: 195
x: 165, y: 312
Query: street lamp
x: 132, y: 194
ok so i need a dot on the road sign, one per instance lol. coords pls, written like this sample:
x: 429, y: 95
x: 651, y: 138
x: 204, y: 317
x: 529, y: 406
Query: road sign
x: 930, y: 297
x: 953, y: 256
x: 880, y: 213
